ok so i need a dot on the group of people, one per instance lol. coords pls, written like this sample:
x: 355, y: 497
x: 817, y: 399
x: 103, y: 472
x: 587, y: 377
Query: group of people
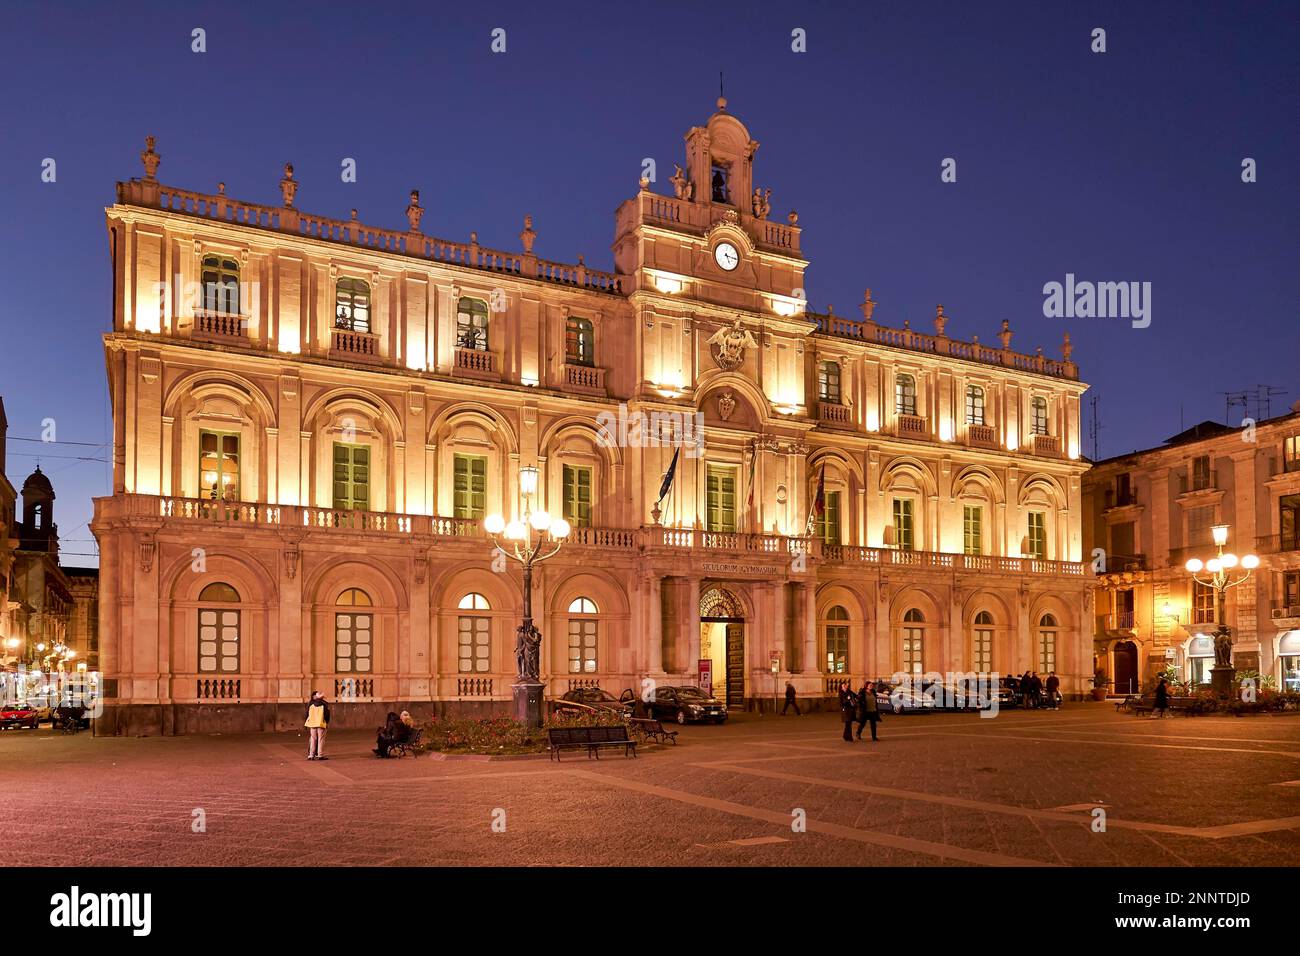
x: 1036, y: 693
x: 397, y: 729
x: 861, y: 708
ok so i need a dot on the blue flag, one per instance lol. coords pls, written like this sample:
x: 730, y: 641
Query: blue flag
x: 669, y: 475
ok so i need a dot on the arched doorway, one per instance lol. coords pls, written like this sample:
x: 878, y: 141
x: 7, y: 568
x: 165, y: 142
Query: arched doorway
x: 722, y: 639
x: 1126, y: 668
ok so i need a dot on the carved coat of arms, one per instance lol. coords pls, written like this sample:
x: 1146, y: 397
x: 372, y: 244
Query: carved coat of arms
x: 729, y: 344
x: 726, y: 405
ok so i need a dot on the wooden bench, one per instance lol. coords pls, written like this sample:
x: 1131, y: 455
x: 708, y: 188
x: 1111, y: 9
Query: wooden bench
x: 654, y: 730
x: 407, y: 746
x: 1126, y: 702
x: 1142, y: 705
x: 1187, y: 706
x: 592, y: 738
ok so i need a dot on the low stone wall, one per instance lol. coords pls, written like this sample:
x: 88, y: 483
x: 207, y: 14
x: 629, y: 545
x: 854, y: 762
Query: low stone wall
x: 149, y: 720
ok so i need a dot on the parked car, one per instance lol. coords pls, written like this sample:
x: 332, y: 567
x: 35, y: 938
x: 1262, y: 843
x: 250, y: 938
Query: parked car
x: 685, y: 705
x: 14, y: 714
x: 903, y: 698
x: 595, y: 699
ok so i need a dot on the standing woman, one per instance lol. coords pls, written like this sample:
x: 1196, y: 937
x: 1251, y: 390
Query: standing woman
x: 870, y: 710
x: 848, y: 709
x: 318, y: 719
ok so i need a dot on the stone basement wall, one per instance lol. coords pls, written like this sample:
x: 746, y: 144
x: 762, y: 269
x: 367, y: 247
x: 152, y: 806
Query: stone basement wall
x: 149, y: 720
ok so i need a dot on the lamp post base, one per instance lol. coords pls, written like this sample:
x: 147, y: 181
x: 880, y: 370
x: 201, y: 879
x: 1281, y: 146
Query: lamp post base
x: 528, y: 698
x: 1221, y: 679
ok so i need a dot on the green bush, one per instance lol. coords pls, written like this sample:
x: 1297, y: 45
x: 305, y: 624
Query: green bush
x: 503, y: 735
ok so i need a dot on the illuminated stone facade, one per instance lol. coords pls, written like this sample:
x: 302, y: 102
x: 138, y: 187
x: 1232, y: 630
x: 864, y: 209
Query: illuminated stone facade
x: 306, y: 445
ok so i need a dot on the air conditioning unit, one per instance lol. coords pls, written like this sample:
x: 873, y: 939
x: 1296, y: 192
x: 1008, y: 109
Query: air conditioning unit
x: 1281, y: 612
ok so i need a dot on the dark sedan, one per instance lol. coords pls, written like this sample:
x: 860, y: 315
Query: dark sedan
x: 685, y: 705
x: 593, y: 698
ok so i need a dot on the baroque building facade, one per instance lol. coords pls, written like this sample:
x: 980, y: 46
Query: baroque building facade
x: 308, y: 439
x: 1148, y: 512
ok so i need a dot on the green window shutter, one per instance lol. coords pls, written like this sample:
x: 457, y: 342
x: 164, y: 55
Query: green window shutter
x: 351, y: 477
x: 470, y: 486
x: 577, y: 496
x: 721, y: 493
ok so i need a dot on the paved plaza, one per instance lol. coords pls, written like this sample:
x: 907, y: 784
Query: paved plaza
x: 938, y: 789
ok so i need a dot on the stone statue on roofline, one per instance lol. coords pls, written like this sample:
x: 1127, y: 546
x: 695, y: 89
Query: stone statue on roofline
x: 683, y: 188
x: 762, y: 203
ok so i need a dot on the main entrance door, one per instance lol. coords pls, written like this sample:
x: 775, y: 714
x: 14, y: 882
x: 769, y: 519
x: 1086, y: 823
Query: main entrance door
x: 1126, y: 668
x: 722, y: 639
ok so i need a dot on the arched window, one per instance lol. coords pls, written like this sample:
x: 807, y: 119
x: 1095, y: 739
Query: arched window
x: 982, y: 643
x: 1038, y: 416
x: 1288, y: 656
x: 904, y: 395
x: 579, y: 341
x: 219, y: 630
x: 472, y: 324
x: 583, y: 637
x: 837, y: 640
x: 913, y: 635
x: 473, y: 636
x: 974, y: 405
x: 352, y: 305
x: 220, y: 277
x: 353, y: 634
x: 1046, y: 644
x: 828, y: 382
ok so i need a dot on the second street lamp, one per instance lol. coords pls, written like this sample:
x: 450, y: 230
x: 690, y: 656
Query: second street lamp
x: 1221, y: 577
x: 530, y: 539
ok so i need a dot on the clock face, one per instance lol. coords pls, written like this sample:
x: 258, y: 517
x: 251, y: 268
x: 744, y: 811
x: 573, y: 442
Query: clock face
x: 725, y: 254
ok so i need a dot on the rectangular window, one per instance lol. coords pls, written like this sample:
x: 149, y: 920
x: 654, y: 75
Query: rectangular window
x: 579, y: 341
x: 473, y: 645
x: 470, y: 486
x: 1288, y: 522
x: 982, y: 651
x: 582, y: 646
x: 903, y: 531
x: 1046, y: 652
x: 1291, y: 588
x: 351, y: 477
x: 828, y: 523
x: 837, y: 648
x: 577, y: 496
x: 1038, y: 535
x: 1202, y: 603
x: 905, y: 395
x: 721, y: 491
x: 472, y: 324
x: 1200, y: 473
x: 219, y: 465
x: 972, y: 529
x: 218, y: 641
x: 1122, y: 546
x: 352, y: 643
x: 1291, y: 453
x: 974, y: 405
x: 913, y: 662
x: 828, y: 382
x: 1199, y: 523
x: 1038, y: 416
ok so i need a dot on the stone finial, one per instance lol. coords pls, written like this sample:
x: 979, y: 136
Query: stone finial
x: 221, y: 189
x: 528, y: 236
x: 414, y: 213
x: 907, y: 325
x: 722, y: 104
x: 354, y: 215
x: 793, y: 218
x: 150, y: 158
x: 940, y: 320
x: 644, y: 183
x: 974, y: 340
x: 830, y: 309
x: 868, y: 306
x: 1005, y: 334
x: 1066, y: 348
x: 288, y: 188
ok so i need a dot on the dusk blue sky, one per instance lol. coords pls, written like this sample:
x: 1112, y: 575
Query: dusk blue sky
x: 1123, y: 166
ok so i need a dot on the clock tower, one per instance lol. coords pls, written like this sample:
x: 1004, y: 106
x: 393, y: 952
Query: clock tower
x: 706, y: 259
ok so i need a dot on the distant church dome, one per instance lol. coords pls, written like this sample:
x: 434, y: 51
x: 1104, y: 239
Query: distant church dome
x: 38, y: 483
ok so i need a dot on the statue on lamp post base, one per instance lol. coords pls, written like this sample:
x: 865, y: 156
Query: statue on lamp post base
x: 528, y: 687
x: 1222, y: 674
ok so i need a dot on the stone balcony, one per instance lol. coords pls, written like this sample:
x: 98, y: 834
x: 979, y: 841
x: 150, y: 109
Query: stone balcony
x: 153, y: 513
x: 982, y: 436
x: 222, y: 327
x: 833, y: 413
x: 348, y: 345
x: 476, y: 363
x: 584, y: 379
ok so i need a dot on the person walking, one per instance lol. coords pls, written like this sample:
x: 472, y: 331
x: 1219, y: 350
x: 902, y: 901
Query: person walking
x: 318, y: 720
x: 1026, y: 690
x: 790, y: 700
x: 1053, y: 690
x: 1162, y: 698
x: 868, y: 710
x: 848, y: 709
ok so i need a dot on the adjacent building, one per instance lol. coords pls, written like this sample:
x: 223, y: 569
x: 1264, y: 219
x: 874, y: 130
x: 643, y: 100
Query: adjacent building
x: 1148, y: 512
x: 312, y: 416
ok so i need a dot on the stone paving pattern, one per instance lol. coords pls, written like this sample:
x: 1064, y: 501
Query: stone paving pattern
x: 939, y: 789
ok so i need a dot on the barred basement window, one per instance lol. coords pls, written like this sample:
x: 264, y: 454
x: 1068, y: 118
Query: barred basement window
x: 219, y: 631
x: 352, y: 305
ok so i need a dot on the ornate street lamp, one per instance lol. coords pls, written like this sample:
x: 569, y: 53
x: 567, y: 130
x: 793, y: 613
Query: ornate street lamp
x: 1221, y: 577
x: 530, y: 539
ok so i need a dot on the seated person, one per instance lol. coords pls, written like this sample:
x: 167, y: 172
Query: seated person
x: 387, y: 734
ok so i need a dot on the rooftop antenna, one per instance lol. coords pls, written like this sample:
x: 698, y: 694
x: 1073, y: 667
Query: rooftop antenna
x: 1230, y: 400
x: 1264, y: 400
